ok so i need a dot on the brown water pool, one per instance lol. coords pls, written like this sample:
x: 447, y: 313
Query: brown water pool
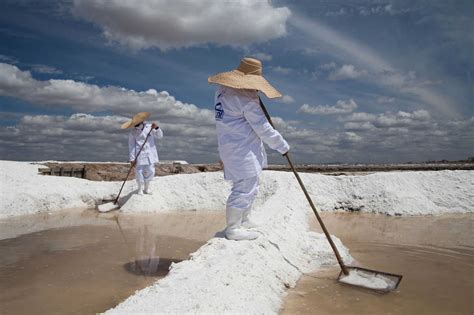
x: 81, y: 262
x: 435, y: 255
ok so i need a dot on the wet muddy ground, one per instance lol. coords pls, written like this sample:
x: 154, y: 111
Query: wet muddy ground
x: 435, y: 255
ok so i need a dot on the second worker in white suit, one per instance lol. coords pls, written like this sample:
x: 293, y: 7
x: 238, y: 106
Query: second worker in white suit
x: 144, y: 160
x: 241, y: 130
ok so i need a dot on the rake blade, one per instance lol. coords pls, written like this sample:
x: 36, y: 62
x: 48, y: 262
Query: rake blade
x: 381, y: 282
x: 109, y: 206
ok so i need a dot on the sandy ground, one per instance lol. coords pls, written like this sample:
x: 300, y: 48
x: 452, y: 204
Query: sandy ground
x: 435, y: 255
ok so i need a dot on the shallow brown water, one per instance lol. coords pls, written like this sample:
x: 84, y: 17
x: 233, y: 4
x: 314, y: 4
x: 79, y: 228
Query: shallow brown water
x: 435, y: 255
x: 78, y: 262
x: 71, y: 266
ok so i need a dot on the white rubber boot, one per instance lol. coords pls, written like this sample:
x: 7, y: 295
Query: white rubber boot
x: 233, y: 230
x: 140, y: 189
x: 148, y: 190
x: 246, y: 221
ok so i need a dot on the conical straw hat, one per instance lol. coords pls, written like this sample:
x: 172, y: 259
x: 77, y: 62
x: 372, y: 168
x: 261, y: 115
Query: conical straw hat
x: 247, y: 76
x: 138, y: 118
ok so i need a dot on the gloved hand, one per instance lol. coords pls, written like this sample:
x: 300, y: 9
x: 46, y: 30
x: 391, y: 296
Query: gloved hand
x: 132, y: 163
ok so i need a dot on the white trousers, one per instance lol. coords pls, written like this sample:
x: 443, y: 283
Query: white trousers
x: 144, y: 173
x: 243, y: 193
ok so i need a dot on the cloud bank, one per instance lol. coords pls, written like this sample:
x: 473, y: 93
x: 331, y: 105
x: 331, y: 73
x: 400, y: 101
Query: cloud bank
x: 90, y: 98
x: 170, y: 24
x: 190, y: 131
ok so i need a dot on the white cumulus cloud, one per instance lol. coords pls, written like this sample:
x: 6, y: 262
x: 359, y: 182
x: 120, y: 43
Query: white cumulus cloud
x: 341, y: 107
x: 346, y: 72
x: 170, y: 24
x: 190, y: 130
x: 90, y: 98
x: 99, y: 138
x: 286, y: 99
x: 420, y: 119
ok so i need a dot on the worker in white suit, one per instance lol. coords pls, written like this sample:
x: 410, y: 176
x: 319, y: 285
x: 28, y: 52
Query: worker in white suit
x: 242, y: 128
x: 143, y: 134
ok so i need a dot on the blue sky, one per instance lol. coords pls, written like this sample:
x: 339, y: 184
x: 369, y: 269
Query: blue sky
x: 363, y: 81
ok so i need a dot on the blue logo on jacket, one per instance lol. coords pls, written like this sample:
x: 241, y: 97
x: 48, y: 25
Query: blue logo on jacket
x: 219, y: 111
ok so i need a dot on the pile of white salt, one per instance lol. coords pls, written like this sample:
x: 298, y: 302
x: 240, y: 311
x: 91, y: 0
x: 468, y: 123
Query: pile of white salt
x: 369, y: 280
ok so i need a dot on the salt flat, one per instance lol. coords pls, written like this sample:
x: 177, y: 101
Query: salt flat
x: 247, y: 276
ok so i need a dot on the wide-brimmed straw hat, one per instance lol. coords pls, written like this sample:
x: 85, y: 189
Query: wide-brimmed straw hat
x: 138, y: 118
x: 247, y: 76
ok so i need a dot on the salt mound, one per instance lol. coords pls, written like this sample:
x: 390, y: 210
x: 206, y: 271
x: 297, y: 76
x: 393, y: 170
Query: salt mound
x: 248, y: 277
x: 24, y: 191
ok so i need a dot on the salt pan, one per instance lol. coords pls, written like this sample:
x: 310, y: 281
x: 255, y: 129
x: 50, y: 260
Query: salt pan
x: 248, y: 277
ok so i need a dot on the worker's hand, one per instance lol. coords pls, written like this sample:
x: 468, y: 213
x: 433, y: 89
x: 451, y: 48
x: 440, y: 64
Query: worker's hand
x: 286, y: 153
x: 133, y: 163
x: 154, y: 125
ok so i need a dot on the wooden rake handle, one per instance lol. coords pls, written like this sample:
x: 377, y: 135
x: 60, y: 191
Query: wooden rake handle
x: 328, y: 236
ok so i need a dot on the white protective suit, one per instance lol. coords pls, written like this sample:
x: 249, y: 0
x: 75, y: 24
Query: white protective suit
x: 241, y: 126
x: 241, y: 130
x: 145, y: 166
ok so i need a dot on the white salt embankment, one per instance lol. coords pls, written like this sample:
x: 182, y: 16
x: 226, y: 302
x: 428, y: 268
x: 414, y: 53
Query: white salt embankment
x: 24, y: 191
x: 248, y: 276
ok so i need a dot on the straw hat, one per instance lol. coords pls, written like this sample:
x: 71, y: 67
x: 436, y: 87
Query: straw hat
x: 247, y: 76
x: 138, y: 118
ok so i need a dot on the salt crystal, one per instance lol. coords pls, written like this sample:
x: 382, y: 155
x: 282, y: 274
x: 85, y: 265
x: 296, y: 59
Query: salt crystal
x: 367, y: 279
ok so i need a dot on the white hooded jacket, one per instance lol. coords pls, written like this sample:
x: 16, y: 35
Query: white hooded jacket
x: 241, y: 126
x: 148, y: 155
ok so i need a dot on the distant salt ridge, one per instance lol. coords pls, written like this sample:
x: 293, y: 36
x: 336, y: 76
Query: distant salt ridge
x: 24, y: 191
